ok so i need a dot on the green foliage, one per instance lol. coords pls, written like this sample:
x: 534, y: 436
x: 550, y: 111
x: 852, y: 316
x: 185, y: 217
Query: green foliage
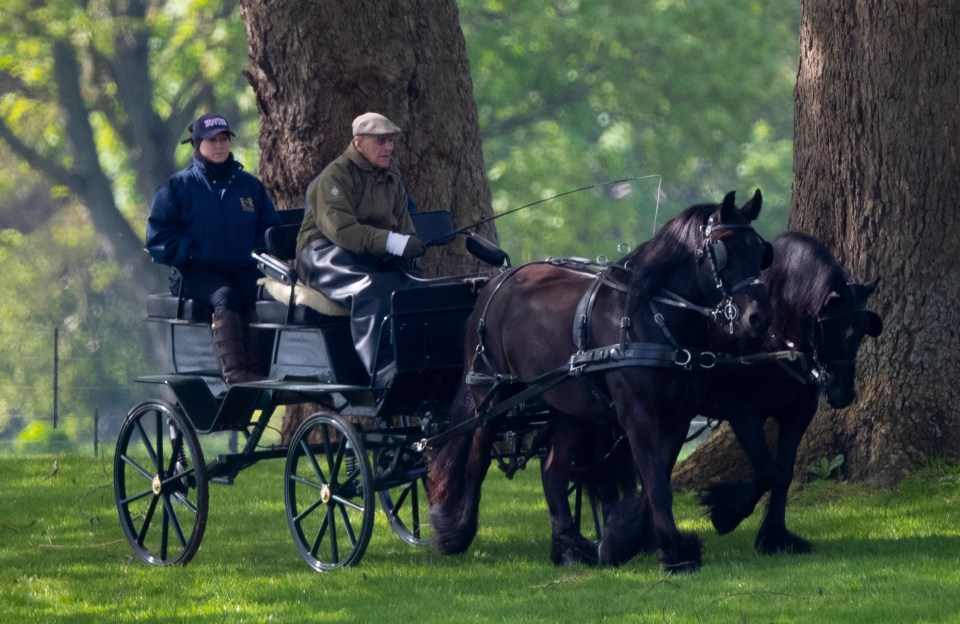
x: 825, y: 468
x: 65, y: 559
x: 75, y: 292
x: 53, y: 262
x: 198, y: 53
x: 577, y: 93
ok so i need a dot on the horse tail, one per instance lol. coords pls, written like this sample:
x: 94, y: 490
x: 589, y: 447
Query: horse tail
x: 454, y: 502
x: 448, y: 465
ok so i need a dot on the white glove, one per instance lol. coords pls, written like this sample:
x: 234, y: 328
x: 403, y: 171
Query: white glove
x: 396, y: 243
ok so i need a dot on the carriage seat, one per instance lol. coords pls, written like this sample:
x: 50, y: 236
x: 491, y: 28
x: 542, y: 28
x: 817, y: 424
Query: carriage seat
x: 298, y: 303
x: 294, y: 303
x: 174, y: 308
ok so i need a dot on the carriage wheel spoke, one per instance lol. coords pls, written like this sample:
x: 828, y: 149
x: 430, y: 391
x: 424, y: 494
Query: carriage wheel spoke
x: 146, y: 442
x: 147, y: 520
x: 308, y: 453
x: 347, y: 503
x: 334, y: 548
x: 320, y: 534
x: 309, y: 510
x: 348, y: 526
x: 169, y: 512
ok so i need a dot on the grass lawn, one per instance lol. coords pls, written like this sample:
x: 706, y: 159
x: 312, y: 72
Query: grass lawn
x: 880, y: 556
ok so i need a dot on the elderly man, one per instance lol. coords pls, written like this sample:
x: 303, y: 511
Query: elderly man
x: 357, y: 234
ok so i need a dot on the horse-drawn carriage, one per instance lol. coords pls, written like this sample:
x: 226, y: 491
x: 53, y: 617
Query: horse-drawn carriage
x: 456, y: 381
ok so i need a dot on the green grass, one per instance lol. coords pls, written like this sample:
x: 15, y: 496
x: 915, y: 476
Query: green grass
x: 880, y: 556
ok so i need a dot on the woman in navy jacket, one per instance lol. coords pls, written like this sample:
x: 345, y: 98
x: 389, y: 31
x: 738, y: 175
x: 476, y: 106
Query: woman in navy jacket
x: 205, y: 221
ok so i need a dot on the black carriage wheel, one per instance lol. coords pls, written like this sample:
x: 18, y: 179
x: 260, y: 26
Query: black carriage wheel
x: 160, y: 484
x: 328, y: 489
x: 406, y: 505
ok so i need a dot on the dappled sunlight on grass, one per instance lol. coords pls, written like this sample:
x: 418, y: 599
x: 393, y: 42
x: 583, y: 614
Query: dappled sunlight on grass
x: 878, y: 556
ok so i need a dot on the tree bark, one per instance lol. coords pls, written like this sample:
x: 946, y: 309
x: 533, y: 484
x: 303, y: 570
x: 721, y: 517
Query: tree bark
x: 317, y: 65
x: 876, y: 174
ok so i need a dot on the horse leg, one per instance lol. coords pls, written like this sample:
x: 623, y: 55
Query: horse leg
x: 654, y: 452
x: 773, y: 536
x: 627, y: 529
x: 730, y: 503
x: 568, y: 545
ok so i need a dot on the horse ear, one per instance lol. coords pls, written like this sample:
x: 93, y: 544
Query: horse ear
x: 863, y: 291
x: 730, y: 199
x: 729, y: 204
x: 751, y: 209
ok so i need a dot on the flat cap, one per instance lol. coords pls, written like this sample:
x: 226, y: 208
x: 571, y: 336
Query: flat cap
x: 374, y: 124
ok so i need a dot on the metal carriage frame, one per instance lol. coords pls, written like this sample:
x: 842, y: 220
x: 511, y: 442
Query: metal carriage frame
x: 366, y: 441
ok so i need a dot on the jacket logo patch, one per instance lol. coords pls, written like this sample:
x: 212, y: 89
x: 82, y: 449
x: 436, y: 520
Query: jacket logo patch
x: 334, y: 192
x: 247, y: 204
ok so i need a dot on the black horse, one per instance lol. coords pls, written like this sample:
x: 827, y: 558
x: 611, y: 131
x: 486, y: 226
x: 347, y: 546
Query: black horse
x: 820, y: 319
x: 642, y: 335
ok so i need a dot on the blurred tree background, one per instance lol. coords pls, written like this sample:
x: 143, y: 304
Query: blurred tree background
x: 683, y: 99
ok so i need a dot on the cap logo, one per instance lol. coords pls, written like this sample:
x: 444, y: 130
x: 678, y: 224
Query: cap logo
x: 215, y: 121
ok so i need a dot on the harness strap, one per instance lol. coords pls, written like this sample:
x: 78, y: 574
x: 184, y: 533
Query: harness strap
x: 673, y: 299
x: 581, y: 318
x: 643, y: 354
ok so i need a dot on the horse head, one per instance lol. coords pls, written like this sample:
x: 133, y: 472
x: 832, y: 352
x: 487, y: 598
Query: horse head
x: 837, y: 333
x: 821, y: 311
x: 730, y: 259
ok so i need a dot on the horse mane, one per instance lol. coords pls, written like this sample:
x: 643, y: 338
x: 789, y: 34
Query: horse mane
x: 799, y: 281
x: 674, y: 243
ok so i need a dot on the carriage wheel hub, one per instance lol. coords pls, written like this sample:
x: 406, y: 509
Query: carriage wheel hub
x: 325, y: 493
x: 156, y: 485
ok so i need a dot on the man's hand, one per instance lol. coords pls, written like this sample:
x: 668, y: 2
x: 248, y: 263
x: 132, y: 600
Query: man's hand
x: 413, y: 249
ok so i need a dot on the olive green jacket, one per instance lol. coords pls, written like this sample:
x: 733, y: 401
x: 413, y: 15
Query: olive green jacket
x: 355, y: 205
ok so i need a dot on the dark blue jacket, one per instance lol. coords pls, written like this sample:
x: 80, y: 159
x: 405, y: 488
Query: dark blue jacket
x: 209, y: 217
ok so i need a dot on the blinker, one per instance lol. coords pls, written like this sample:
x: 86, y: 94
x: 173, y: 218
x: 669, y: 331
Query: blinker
x: 719, y: 254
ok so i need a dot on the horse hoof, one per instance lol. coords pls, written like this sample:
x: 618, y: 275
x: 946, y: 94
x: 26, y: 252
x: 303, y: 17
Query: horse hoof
x: 574, y: 552
x: 683, y: 556
x: 682, y: 567
x: 785, y: 543
x: 571, y: 557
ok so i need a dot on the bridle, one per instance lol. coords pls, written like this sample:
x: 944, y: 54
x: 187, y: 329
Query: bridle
x: 819, y: 372
x: 715, y: 251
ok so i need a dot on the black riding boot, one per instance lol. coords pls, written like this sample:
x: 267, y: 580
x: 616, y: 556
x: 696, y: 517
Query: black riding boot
x: 228, y: 345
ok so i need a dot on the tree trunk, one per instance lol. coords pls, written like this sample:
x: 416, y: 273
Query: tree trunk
x: 317, y: 65
x: 876, y: 174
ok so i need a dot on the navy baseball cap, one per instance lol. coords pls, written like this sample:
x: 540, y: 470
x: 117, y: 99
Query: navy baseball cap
x: 207, y: 127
